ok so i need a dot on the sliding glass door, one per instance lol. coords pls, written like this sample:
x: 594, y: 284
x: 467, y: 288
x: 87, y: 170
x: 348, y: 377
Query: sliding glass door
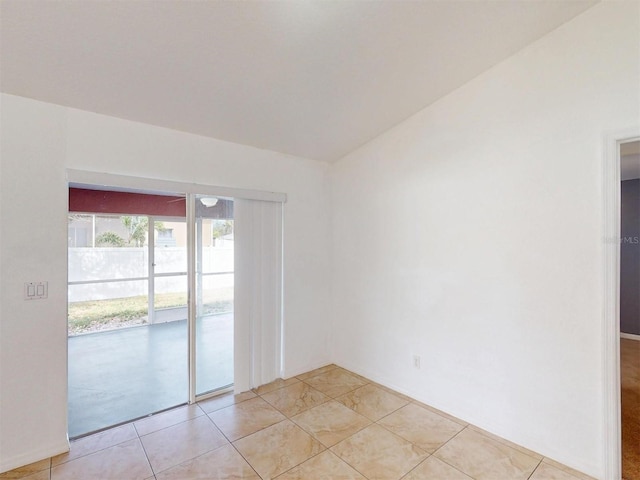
x: 127, y: 344
x: 151, y: 304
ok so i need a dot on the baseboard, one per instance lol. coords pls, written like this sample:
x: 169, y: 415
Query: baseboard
x: 630, y: 336
x: 287, y: 373
x: 486, y: 424
x: 33, y: 456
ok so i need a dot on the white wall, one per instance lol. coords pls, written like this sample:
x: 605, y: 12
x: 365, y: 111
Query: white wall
x: 33, y: 202
x: 470, y: 235
x: 39, y: 141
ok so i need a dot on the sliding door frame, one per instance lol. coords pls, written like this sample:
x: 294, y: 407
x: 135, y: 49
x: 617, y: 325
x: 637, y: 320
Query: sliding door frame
x: 106, y: 181
x: 191, y: 293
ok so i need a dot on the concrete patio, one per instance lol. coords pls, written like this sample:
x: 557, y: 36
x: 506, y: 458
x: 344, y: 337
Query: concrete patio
x: 120, y: 375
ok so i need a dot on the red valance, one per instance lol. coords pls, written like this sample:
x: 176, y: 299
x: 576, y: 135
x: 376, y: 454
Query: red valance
x: 125, y: 203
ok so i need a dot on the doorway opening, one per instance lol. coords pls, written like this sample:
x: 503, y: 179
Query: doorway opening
x: 130, y: 319
x: 629, y: 302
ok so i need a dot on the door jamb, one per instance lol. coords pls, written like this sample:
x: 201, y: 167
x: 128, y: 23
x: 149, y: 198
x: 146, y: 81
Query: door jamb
x: 151, y: 270
x: 611, y: 301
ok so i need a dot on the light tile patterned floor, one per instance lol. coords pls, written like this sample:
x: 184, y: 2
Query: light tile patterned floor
x: 325, y: 424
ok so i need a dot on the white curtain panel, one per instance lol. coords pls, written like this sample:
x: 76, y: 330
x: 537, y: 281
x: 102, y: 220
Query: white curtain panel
x: 258, y: 293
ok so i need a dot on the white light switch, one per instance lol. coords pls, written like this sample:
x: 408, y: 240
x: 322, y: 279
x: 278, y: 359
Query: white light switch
x: 36, y: 290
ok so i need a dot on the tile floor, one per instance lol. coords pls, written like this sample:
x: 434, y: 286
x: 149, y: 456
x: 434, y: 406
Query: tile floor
x: 325, y: 424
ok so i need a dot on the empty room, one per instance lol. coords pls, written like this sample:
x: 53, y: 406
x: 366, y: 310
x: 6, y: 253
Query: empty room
x: 304, y: 239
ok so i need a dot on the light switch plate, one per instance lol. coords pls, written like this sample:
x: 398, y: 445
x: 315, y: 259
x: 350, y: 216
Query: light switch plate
x: 36, y: 290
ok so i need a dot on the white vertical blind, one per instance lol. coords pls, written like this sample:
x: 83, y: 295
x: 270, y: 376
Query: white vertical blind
x: 258, y: 292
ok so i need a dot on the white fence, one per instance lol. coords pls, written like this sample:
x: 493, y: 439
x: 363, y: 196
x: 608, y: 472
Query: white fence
x: 107, y: 269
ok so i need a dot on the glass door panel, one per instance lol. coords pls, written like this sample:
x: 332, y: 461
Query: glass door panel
x: 127, y: 355
x: 168, y: 310
x: 169, y: 267
x: 134, y: 346
x: 214, y: 294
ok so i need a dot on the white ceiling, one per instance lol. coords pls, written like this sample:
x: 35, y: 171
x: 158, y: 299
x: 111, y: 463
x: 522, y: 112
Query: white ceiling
x: 311, y: 78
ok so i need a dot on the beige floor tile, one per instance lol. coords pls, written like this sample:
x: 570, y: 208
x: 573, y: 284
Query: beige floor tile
x: 569, y: 470
x: 295, y: 398
x: 125, y: 461
x: 360, y: 377
x: 526, y: 451
x: 224, y: 463
x: 221, y: 401
x: 336, y: 382
x: 391, y: 390
x: 96, y: 442
x: 30, y: 469
x: 245, y: 418
x: 276, y: 384
x: 483, y: 458
x: 324, y: 466
x: 435, y: 469
x: 441, y: 413
x: 41, y: 475
x: 176, y: 444
x: 421, y: 427
x: 278, y: 448
x: 372, y: 401
x: 166, y: 419
x: 331, y: 422
x: 328, y: 407
x: 316, y: 372
x: 549, y: 472
x: 379, y: 454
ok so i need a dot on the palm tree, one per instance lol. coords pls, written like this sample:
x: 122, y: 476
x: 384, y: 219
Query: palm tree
x: 137, y: 228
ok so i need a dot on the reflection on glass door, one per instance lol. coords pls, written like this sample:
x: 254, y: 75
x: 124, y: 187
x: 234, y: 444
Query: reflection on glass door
x: 214, y: 294
x: 169, y: 271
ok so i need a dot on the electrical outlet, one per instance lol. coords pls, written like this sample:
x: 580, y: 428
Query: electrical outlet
x: 416, y: 361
